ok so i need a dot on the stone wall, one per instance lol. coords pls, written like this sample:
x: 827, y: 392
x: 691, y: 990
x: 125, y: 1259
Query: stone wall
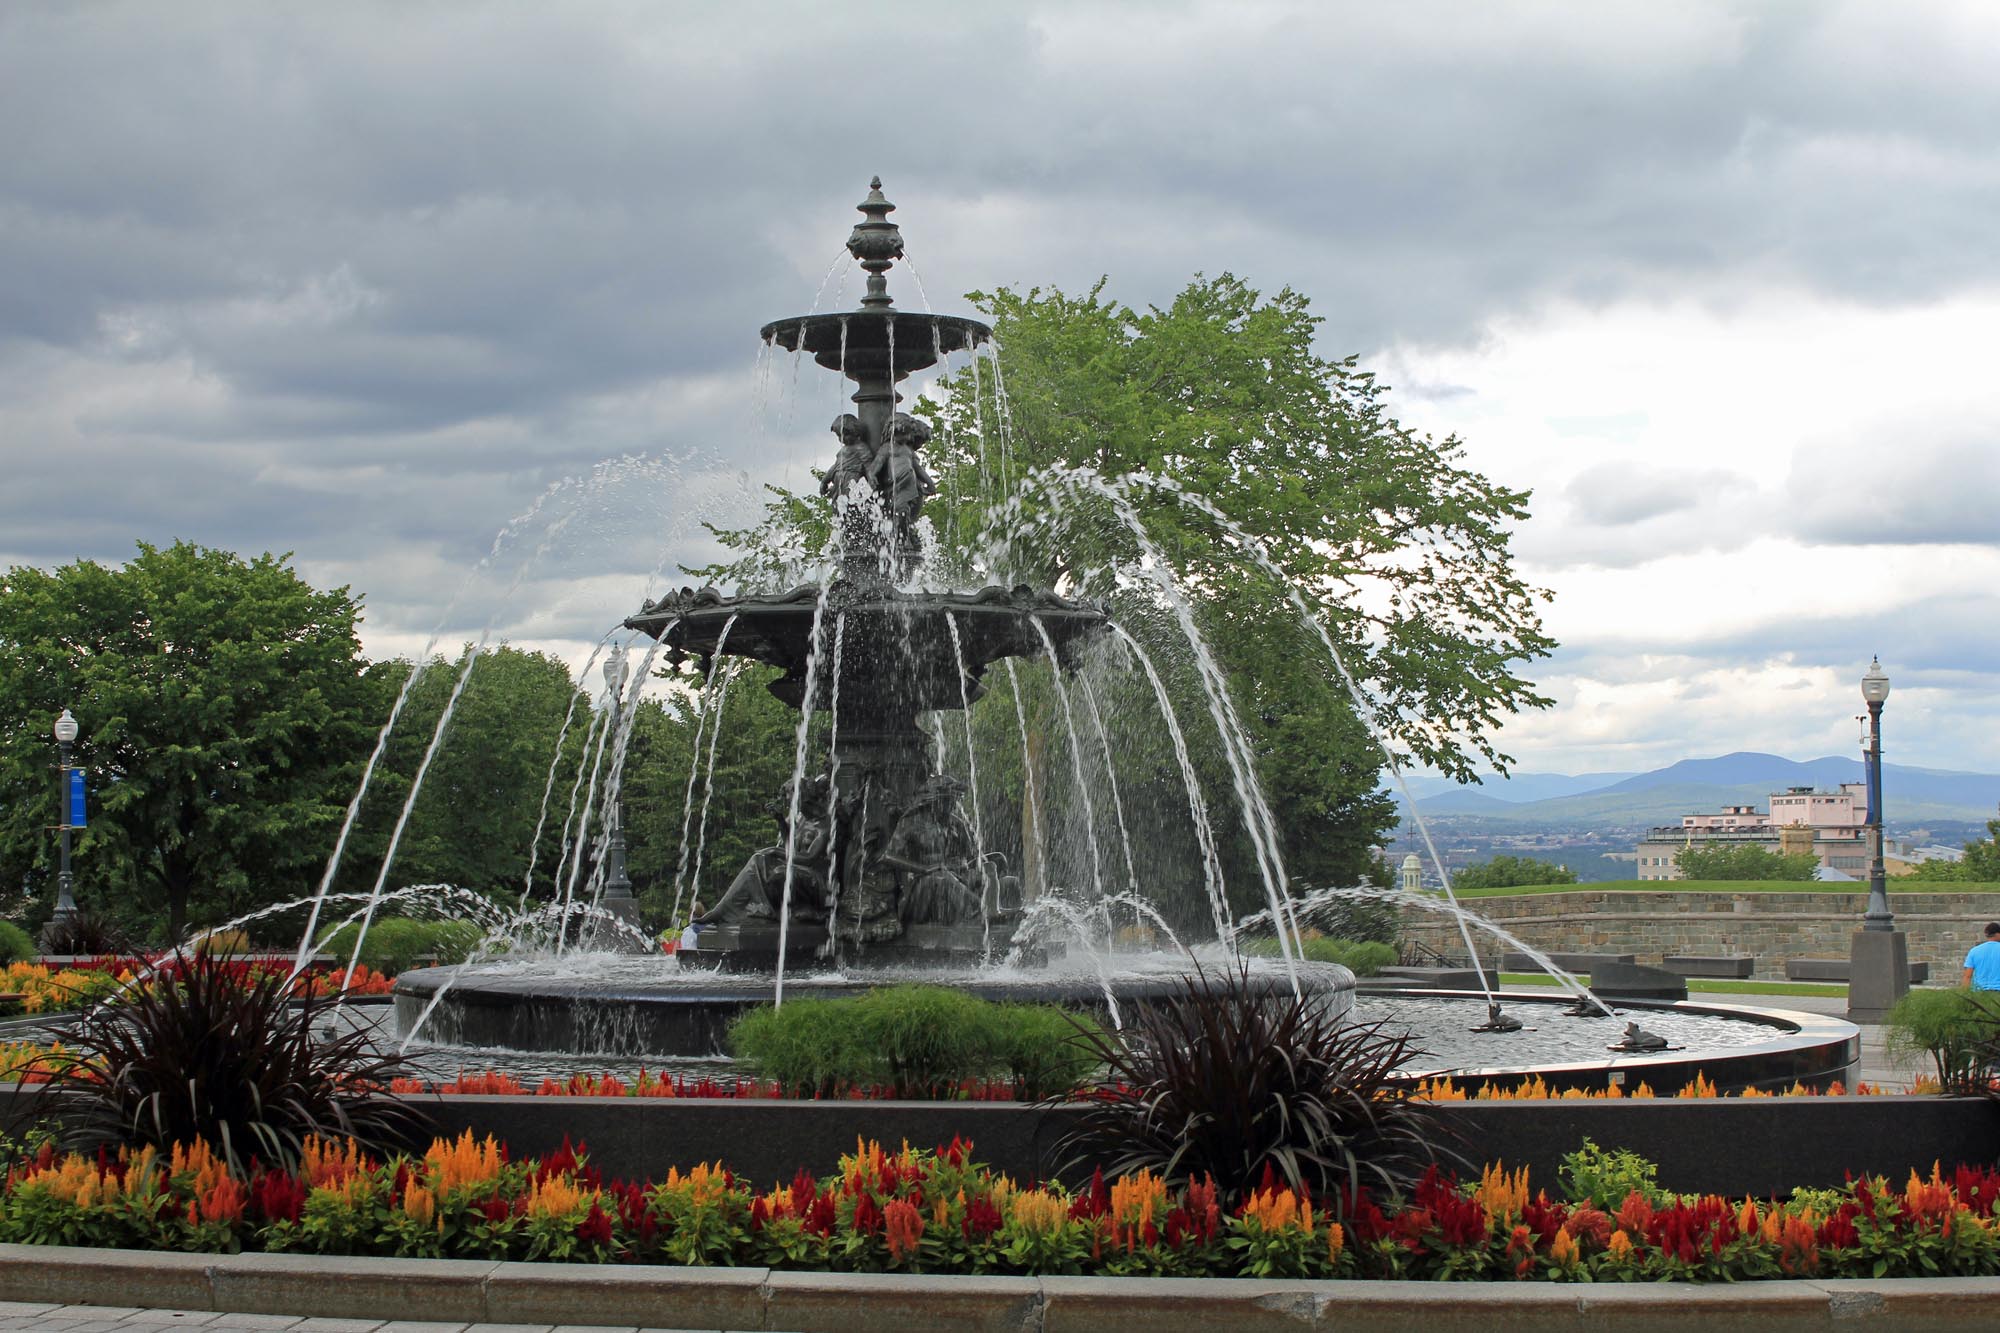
x: 1772, y: 927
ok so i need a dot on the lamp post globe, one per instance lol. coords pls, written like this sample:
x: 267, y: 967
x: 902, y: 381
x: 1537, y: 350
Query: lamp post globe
x: 65, y: 728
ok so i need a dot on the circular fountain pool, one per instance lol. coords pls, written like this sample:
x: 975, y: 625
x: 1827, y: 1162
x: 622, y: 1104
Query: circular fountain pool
x: 613, y: 1014
x: 635, y: 1007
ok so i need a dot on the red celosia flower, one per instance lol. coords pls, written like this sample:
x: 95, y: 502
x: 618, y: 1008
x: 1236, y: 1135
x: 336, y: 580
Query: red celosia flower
x: 595, y: 1227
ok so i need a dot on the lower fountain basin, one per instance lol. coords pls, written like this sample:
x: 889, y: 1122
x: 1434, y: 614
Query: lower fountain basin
x: 634, y: 1008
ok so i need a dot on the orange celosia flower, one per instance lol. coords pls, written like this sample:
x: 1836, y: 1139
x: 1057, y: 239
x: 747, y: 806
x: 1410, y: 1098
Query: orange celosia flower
x: 1564, y: 1249
x: 324, y: 1163
x: 1277, y: 1209
x: 456, y: 1164
x: 419, y: 1204
x: 1502, y: 1195
x: 902, y: 1228
x: 1038, y: 1211
x: 1620, y: 1246
x: 223, y: 1201
x: 1336, y: 1240
x: 559, y: 1196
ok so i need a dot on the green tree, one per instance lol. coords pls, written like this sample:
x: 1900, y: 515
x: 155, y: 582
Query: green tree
x: 1743, y: 861
x: 1399, y: 551
x: 474, y: 822
x: 1506, y: 872
x: 223, y: 712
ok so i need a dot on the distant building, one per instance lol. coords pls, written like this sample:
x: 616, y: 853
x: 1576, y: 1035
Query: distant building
x: 1830, y: 825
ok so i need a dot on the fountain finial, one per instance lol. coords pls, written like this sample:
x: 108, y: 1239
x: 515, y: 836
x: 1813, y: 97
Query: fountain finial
x: 877, y: 243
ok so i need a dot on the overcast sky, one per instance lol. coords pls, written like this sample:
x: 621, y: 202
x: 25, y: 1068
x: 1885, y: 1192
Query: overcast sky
x: 1720, y: 282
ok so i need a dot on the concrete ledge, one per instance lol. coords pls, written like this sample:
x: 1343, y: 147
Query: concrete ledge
x: 640, y: 1295
x: 471, y: 1291
x: 900, y: 1303
x: 348, y: 1288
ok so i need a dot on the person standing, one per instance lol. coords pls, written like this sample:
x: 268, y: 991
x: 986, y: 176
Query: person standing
x: 1982, y: 962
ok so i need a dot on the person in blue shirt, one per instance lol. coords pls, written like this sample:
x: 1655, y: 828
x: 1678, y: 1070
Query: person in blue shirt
x: 1982, y: 964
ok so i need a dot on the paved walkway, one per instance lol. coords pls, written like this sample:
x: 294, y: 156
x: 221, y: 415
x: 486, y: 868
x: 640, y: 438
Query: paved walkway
x: 1878, y: 1065
x: 25, y: 1318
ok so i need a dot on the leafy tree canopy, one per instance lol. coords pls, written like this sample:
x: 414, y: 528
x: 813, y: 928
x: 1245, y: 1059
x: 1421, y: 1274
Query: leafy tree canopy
x: 223, y: 712
x: 1743, y: 861
x: 1395, y: 547
x: 1506, y: 872
x: 474, y: 824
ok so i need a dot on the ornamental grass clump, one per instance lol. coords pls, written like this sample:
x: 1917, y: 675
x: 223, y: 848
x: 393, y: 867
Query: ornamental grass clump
x: 1958, y: 1029
x: 1226, y: 1078
x: 209, y: 1049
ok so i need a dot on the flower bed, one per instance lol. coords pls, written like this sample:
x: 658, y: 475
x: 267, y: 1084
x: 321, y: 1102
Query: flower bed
x: 941, y: 1212
x: 78, y: 986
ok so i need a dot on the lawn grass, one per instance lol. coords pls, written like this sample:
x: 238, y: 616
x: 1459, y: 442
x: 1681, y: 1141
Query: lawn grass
x: 1859, y: 889
x: 1708, y: 985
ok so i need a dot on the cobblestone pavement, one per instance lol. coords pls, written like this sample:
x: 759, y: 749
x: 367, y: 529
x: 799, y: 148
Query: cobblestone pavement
x: 19, y: 1317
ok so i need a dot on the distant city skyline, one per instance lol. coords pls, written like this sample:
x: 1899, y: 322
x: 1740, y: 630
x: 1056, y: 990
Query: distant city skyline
x: 364, y: 282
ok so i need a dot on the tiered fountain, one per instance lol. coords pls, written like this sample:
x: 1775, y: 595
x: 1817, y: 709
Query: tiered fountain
x: 877, y: 874
x: 876, y: 870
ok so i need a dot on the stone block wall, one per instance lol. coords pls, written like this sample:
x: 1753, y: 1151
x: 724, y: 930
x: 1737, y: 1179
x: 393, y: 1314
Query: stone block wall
x: 1772, y: 927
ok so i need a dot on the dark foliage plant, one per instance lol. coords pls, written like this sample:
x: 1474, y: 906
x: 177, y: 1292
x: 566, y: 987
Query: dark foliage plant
x: 84, y: 932
x: 1232, y: 1078
x: 210, y: 1049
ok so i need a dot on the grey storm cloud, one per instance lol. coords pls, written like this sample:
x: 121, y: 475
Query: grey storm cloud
x: 319, y: 277
x: 1928, y: 485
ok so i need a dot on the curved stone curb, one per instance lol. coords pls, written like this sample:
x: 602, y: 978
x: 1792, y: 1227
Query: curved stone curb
x: 473, y: 1291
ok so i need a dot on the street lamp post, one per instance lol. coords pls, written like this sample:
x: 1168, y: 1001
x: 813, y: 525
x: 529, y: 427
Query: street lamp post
x: 1878, y: 971
x: 1875, y: 691
x: 65, y: 731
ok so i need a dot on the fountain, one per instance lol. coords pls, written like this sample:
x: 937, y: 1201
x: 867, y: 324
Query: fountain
x: 877, y: 874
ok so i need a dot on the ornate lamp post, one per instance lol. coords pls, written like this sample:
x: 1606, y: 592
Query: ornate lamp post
x: 1875, y: 690
x: 65, y: 732
x: 1878, y: 971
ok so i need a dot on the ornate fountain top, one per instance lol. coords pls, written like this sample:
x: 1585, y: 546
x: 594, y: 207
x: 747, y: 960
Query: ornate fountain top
x: 877, y: 243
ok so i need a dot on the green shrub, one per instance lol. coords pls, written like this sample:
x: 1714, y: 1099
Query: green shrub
x: 1046, y: 1052
x: 396, y: 944
x: 930, y: 1038
x: 1606, y: 1177
x: 1362, y: 957
x: 16, y: 945
x: 917, y: 1041
x: 809, y: 1047
x: 1958, y: 1029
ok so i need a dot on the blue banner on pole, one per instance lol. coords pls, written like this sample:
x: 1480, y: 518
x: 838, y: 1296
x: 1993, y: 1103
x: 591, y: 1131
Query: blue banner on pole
x: 76, y: 819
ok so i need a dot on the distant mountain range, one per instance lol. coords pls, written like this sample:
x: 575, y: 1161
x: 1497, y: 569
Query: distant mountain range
x: 1695, y: 786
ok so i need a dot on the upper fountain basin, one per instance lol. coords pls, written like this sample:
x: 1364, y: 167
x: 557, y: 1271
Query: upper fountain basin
x: 911, y: 633
x: 877, y: 342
